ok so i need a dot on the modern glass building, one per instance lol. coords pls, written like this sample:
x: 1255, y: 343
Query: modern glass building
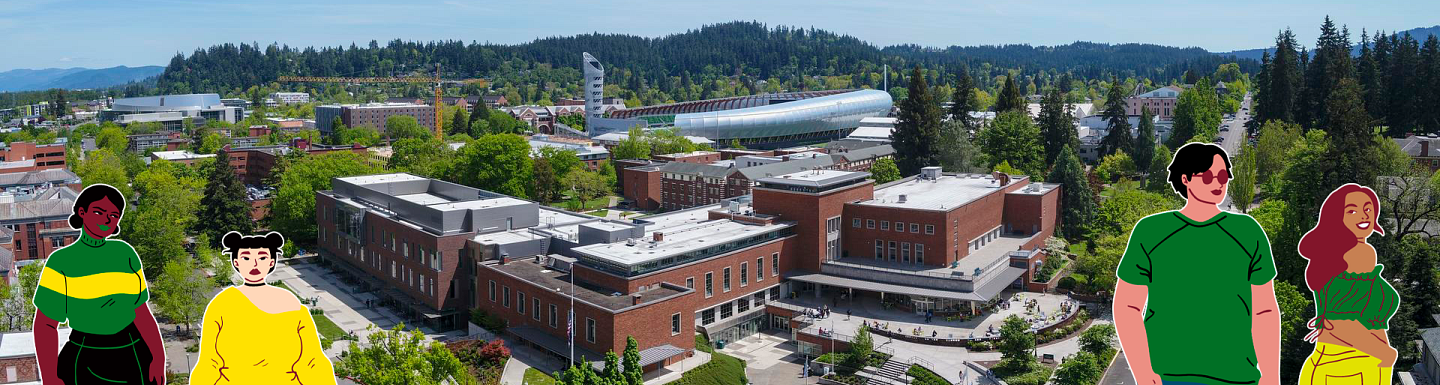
x: 594, y: 87
x: 759, y: 121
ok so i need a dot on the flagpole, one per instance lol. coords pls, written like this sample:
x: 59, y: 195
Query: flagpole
x: 572, y: 314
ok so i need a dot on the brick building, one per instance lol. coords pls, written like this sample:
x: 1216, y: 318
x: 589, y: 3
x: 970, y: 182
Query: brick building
x: 17, y: 356
x: 700, y: 157
x: 160, y: 140
x: 1160, y: 101
x: 39, y: 225
x: 705, y: 177
x: 371, y: 114
x: 1424, y: 149
x: 27, y: 156
x: 438, y: 250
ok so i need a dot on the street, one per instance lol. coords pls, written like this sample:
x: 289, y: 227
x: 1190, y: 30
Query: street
x: 1234, y: 138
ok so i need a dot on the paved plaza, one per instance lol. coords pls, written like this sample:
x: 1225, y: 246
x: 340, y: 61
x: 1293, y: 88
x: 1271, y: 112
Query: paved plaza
x: 869, y: 310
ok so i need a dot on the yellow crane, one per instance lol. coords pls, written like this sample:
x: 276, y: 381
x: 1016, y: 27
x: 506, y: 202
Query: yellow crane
x: 411, y: 79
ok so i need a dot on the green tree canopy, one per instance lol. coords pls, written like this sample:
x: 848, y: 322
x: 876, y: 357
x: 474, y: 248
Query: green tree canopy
x: 1117, y: 121
x: 292, y: 210
x: 1013, y: 138
x: 633, y: 146
x: 917, y: 129
x: 956, y: 152
x: 224, y: 207
x: 405, y: 126
x: 1010, y: 98
x: 1077, y: 199
x: 1017, y: 343
x: 1057, y: 123
x: 181, y: 292
x: 399, y: 357
x: 498, y: 162
x: 113, y: 139
x: 884, y: 171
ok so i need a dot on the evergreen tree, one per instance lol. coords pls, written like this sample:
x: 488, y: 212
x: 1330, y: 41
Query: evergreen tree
x: 963, y: 100
x: 1077, y: 200
x: 614, y: 374
x: 1330, y: 63
x: 918, y: 129
x: 1429, y: 73
x: 1283, y: 82
x: 1117, y: 122
x: 1351, y: 139
x: 1402, y: 85
x: 1144, y: 141
x: 1367, y: 72
x: 1010, y: 97
x: 1057, y: 124
x: 459, y: 123
x: 634, y: 373
x: 223, y: 208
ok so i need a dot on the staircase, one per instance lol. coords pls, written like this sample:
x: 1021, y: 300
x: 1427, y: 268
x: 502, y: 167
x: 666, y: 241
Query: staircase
x: 891, y: 373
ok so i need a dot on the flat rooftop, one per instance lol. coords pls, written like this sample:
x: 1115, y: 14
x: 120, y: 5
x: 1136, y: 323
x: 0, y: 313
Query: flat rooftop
x: 945, y: 193
x: 559, y: 281
x: 381, y: 178
x: 815, y: 178
x: 678, y: 240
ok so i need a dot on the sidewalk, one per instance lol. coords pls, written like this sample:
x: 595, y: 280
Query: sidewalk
x: 345, y: 308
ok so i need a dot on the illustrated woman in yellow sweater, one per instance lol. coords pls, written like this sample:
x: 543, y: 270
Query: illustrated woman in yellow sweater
x: 257, y: 333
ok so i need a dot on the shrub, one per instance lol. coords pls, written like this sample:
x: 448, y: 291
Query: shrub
x: 1067, y: 283
x: 924, y: 376
x: 721, y: 370
x: 487, y: 321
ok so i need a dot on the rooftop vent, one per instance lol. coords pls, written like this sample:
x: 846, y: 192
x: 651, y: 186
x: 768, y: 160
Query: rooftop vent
x: 902, y: 198
x: 659, y: 236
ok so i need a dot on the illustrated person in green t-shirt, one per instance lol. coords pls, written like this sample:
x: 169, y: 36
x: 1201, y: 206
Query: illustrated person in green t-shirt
x: 1195, y: 302
x: 97, y: 286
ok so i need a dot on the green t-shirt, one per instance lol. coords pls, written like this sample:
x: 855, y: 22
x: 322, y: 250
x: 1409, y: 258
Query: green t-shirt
x: 96, y: 284
x: 1199, y: 274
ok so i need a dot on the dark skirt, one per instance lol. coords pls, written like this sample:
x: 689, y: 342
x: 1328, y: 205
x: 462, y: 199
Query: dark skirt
x: 120, y: 358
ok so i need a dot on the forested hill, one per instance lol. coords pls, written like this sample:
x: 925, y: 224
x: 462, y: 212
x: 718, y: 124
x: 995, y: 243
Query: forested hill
x: 747, y: 51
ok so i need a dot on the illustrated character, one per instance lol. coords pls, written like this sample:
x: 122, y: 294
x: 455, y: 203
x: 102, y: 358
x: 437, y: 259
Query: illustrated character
x: 1353, y: 302
x: 97, y: 286
x: 256, y: 333
x: 1195, y: 302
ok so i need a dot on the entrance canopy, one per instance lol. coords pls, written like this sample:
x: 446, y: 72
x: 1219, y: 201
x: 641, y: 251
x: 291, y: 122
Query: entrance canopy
x: 986, y: 290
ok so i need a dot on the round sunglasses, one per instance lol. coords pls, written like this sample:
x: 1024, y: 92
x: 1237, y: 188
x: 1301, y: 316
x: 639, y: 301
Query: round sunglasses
x: 1207, y: 176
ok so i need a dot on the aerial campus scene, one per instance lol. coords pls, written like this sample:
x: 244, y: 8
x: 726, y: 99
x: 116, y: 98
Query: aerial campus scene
x: 701, y: 193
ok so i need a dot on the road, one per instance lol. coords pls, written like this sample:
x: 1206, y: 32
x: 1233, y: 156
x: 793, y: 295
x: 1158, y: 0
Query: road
x: 1234, y: 138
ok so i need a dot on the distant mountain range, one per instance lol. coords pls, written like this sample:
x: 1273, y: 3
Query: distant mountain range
x: 1418, y: 33
x: 73, y: 78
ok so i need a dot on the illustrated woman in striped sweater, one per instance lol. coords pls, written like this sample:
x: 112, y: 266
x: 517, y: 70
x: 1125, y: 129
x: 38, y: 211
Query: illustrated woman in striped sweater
x: 97, y: 285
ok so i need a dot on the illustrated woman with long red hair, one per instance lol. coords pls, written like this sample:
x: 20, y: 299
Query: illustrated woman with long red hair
x: 1353, y: 302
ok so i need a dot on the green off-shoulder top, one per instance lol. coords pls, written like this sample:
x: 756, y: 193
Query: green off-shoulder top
x: 1364, y: 297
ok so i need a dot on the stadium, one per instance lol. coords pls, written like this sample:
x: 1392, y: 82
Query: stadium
x: 758, y: 121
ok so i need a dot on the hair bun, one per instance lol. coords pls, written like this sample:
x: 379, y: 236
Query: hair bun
x: 230, y: 239
x: 275, y: 239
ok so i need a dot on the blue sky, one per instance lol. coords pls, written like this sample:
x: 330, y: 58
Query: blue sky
x: 103, y: 33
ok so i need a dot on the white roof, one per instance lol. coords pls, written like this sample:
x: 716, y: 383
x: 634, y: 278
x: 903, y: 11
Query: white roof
x: 179, y: 155
x: 864, y: 133
x: 678, y: 240
x: 619, y: 136
x: 946, y: 193
x: 22, y: 344
x: 381, y: 178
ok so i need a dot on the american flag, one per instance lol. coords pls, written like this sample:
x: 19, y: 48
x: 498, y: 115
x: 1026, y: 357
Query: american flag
x: 570, y: 327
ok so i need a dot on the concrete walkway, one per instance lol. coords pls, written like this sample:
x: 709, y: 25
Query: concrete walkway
x: 343, y: 306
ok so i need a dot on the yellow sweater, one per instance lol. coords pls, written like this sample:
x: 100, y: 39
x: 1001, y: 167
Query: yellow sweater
x: 242, y: 344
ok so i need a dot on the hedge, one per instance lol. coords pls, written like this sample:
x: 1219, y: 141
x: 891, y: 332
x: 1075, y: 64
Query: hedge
x: 923, y: 376
x: 721, y: 370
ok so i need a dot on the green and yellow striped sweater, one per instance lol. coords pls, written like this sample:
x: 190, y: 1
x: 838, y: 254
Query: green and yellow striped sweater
x: 95, y: 283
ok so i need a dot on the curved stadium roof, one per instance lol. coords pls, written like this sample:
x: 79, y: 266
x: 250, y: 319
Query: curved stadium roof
x: 721, y: 104
x: 837, y: 111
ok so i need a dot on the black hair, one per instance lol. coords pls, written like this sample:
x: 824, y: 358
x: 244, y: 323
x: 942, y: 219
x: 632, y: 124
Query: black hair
x: 1194, y: 158
x: 233, y: 242
x: 94, y: 193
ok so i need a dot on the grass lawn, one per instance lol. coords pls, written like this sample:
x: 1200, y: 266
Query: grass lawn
x: 600, y: 213
x: 328, y: 328
x: 570, y: 204
x: 536, y: 377
x: 1035, y: 374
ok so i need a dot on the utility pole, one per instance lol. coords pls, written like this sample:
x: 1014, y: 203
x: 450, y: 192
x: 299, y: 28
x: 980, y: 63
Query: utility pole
x: 887, y: 78
x: 572, y: 314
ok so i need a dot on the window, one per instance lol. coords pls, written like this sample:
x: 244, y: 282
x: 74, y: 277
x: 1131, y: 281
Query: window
x: 506, y: 301
x: 879, y: 249
x: 744, y: 274
x: 885, y: 225
x: 929, y: 229
x: 690, y: 282
x: 725, y: 279
x: 709, y: 284
x: 590, y: 329
x: 742, y: 304
x: 55, y: 242
x: 707, y: 317
x: 914, y: 227
x: 855, y: 223
x: 536, y: 307
x: 405, y: 246
x: 870, y: 223
x: 905, y: 252
x: 726, y: 310
x: 774, y: 264
x: 492, y: 290
x: 520, y: 301
x: 919, y: 253
x: 675, y: 324
x: 893, y: 252
x: 554, y: 316
x: 900, y: 227
x: 759, y: 269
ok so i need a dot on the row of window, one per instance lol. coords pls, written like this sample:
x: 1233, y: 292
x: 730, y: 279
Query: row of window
x: 744, y: 275
x: 899, y: 226
x: 554, y: 313
x: 739, y: 305
x: 904, y: 252
x: 401, y: 273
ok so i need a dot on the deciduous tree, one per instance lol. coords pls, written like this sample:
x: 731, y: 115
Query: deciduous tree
x: 1013, y: 138
x: 400, y: 357
x: 884, y: 171
x: 292, y: 210
x: 498, y: 162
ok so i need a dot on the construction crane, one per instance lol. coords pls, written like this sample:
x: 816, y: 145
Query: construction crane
x: 412, y: 79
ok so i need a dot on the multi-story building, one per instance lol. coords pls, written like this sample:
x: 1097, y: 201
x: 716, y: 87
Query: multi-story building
x: 7, y: 258
x: 27, y: 156
x: 28, y: 184
x: 39, y: 225
x: 594, y: 90
x: 171, y: 110
x: 1160, y: 101
x: 1427, y: 371
x: 441, y: 249
x: 756, y: 121
x: 589, y: 154
x: 291, y: 97
x: 161, y: 140
x: 702, y: 177
x: 371, y: 114
x: 184, y: 157
x: 17, y: 356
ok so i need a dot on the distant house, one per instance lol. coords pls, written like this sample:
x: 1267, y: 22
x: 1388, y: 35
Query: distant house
x: 1160, y: 101
x: 1422, y: 149
x: 495, y: 101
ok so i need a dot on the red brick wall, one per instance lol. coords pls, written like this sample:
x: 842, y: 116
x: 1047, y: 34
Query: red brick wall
x: 45, y: 156
x: 42, y: 245
x: 810, y: 211
x: 860, y: 242
x: 649, y: 324
x: 714, y: 265
x: 641, y: 187
x: 25, y: 369
x: 450, y: 246
x: 701, y: 158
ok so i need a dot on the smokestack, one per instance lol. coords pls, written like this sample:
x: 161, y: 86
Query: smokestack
x: 1424, y: 148
x: 635, y: 299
